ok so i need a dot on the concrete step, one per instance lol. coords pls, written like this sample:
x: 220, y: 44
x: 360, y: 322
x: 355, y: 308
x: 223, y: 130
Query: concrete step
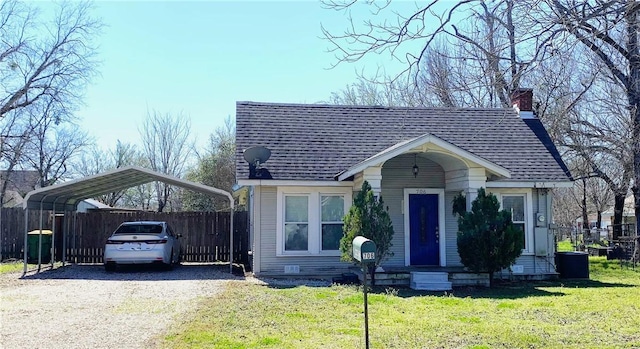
x: 430, y: 281
x: 431, y: 286
x: 429, y: 276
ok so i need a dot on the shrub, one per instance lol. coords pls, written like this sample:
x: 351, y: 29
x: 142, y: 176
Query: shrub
x: 367, y: 217
x: 487, y: 239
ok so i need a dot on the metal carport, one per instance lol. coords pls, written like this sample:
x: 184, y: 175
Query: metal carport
x: 66, y: 196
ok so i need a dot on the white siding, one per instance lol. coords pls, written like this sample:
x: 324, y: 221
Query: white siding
x: 396, y: 175
x: 270, y: 264
x: 267, y: 227
x: 531, y: 263
x: 451, y: 224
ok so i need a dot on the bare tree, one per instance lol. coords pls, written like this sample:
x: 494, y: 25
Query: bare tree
x: 97, y: 160
x: 52, y: 145
x: 42, y: 59
x: 14, y: 135
x: 377, y: 91
x: 566, y: 207
x: 167, y: 148
x: 479, y: 63
x: 142, y: 197
x: 44, y: 66
x: 607, y: 30
x: 493, y: 44
x: 600, y: 196
x: 216, y: 168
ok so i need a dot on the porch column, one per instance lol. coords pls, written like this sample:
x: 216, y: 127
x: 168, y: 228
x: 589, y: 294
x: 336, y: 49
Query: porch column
x: 470, y: 195
x: 373, y: 175
x: 477, y: 178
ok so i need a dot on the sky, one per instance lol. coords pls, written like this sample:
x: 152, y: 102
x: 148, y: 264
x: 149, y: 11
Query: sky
x: 198, y: 58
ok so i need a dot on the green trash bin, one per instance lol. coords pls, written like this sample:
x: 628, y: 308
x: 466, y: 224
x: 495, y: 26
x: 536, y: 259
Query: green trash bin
x: 33, y: 242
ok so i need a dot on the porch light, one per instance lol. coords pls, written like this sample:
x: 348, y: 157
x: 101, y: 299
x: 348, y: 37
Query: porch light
x: 415, y: 166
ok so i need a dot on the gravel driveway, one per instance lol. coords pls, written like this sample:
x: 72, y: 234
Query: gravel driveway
x: 82, y: 306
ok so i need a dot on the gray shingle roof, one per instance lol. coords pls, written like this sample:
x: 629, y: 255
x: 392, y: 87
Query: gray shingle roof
x: 316, y: 141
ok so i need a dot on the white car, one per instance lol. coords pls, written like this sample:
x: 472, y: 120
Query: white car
x: 144, y: 242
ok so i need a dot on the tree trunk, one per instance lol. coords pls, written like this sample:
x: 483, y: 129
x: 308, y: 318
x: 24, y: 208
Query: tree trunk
x: 633, y: 94
x: 585, y: 217
x: 618, y: 205
x: 636, y: 200
x: 599, y: 222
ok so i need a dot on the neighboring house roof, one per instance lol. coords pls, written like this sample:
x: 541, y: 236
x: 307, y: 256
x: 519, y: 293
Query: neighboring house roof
x: 318, y: 142
x: 20, y: 181
x: 95, y: 203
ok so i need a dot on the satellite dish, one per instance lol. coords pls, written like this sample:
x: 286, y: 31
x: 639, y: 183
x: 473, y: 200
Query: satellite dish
x: 257, y: 155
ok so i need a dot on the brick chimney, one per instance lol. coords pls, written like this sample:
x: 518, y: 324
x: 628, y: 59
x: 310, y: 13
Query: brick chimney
x: 522, y: 98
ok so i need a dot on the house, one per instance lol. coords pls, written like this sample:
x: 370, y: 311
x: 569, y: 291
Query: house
x: 91, y: 204
x: 417, y: 159
x: 628, y: 212
x: 19, y: 183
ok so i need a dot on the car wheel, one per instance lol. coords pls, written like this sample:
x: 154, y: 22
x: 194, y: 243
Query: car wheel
x: 169, y: 266
x: 179, y: 259
x: 110, y: 267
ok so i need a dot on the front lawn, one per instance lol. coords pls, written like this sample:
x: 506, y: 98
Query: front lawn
x: 603, y: 312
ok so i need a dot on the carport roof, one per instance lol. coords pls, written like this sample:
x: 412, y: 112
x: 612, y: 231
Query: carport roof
x: 66, y: 196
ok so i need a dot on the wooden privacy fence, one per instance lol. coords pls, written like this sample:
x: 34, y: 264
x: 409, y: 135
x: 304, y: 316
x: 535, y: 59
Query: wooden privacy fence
x: 205, y: 235
x: 12, y: 230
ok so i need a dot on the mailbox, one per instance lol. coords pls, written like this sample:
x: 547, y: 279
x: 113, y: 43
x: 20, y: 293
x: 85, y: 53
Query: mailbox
x: 364, y: 250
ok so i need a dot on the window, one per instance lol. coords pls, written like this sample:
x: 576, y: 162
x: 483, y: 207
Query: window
x: 516, y: 205
x: 296, y: 223
x: 332, y: 208
x: 309, y: 220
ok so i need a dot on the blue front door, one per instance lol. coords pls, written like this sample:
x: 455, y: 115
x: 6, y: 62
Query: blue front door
x: 423, y: 229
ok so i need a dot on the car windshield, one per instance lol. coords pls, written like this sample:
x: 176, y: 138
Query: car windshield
x: 139, y: 229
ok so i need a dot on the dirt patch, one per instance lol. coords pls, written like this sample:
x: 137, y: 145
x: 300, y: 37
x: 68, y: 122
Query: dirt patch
x: 82, y: 306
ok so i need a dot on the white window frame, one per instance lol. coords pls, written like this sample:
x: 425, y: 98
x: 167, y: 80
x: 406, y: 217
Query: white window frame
x: 321, y: 222
x: 314, y: 217
x: 528, y: 214
x: 292, y: 195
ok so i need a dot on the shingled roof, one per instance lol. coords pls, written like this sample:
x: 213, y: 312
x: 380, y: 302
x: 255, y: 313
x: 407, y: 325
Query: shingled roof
x: 317, y: 141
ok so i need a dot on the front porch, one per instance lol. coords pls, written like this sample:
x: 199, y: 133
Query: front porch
x: 457, y: 276
x: 425, y: 277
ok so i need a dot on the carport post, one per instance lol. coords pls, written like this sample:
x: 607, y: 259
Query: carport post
x: 53, y: 232
x: 40, y: 239
x: 65, y: 231
x: 74, y: 217
x: 26, y: 236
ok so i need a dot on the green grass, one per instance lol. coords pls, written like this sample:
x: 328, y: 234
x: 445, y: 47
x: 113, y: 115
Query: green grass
x: 603, y: 312
x: 12, y: 267
x: 18, y: 266
x: 565, y: 245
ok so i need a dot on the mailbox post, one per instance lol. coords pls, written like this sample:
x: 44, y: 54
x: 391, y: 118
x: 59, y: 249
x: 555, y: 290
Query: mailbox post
x: 364, y: 251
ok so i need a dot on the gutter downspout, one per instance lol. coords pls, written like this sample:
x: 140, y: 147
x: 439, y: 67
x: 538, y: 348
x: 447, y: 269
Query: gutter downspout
x: 232, y: 211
